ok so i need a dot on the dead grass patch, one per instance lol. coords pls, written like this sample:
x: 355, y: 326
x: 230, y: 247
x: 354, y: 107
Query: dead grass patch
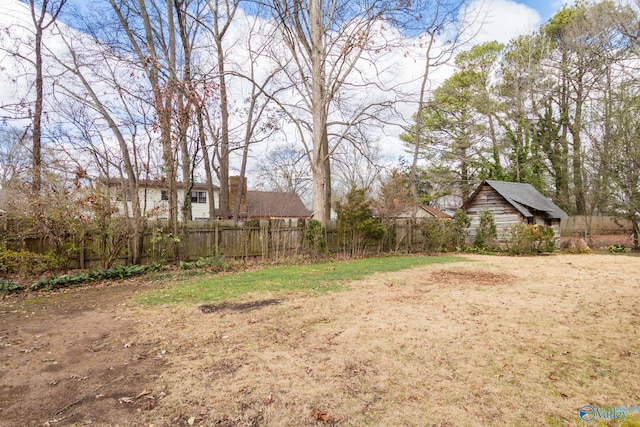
x: 471, y: 277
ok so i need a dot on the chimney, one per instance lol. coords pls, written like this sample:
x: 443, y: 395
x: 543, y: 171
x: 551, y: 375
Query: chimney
x: 234, y: 182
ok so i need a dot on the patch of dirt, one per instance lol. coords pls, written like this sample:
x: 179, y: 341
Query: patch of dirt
x: 491, y: 341
x: 470, y: 278
x: 68, y: 358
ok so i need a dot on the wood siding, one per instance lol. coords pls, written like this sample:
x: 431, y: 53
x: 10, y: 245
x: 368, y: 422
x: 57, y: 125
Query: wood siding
x: 504, y: 214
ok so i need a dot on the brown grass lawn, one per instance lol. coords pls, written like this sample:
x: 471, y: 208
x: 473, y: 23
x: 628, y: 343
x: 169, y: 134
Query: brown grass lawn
x: 497, y: 341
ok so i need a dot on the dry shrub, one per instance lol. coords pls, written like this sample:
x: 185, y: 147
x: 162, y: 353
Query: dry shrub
x: 575, y: 245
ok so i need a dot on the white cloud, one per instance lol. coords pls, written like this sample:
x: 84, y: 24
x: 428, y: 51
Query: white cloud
x: 500, y: 20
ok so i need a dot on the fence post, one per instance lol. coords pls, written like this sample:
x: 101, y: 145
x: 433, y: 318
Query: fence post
x: 264, y: 238
x: 216, y: 237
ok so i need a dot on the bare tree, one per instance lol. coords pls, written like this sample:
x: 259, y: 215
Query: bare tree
x: 260, y: 120
x: 286, y: 169
x: 99, y: 90
x: 326, y: 41
x: 357, y: 165
x: 444, y: 21
x: 43, y: 15
x: 151, y: 38
x: 14, y: 159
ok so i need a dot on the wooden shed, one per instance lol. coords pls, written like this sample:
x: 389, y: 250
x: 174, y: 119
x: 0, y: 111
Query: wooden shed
x: 512, y: 203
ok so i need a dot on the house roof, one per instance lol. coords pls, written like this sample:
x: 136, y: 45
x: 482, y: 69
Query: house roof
x: 435, y: 212
x: 150, y: 183
x: 275, y: 204
x: 417, y: 211
x: 525, y: 198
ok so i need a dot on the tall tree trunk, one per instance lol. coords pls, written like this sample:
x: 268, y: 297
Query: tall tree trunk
x: 202, y: 137
x: 577, y: 155
x: 426, y: 73
x: 38, y: 18
x: 36, y: 184
x: 222, y: 18
x: 185, y: 101
x: 223, y: 174
x: 320, y: 161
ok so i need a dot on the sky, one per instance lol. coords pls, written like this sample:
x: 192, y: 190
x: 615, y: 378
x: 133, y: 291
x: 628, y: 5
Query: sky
x: 505, y: 19
x: 546, y: 8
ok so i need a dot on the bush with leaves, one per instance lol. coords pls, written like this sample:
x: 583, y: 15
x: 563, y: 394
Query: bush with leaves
x: 486, y: 232
x: 530, y: 239
x: 8, y: 286
x: 437, y: 235
x: 356, y: 226
x: 162, y: 244
x: 211, y: 263
x: 25, y: 263
x: 65, y: 217
x: 461, y: 224
x: 316, y: 237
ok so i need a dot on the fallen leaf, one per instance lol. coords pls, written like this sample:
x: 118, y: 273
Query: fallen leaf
x: 191, y: 421
x: 320, y: 415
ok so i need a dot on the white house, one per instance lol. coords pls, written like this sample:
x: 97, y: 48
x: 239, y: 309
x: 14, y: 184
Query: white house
x: 154, y: 200
x: 154, y: 203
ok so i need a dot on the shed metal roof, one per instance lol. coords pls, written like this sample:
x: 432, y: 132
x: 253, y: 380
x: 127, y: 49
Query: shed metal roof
x: 525, y: 198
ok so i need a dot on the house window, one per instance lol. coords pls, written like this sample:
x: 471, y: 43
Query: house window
x: 126, y: 197
x: 164, y: 195
x: 198, y: 197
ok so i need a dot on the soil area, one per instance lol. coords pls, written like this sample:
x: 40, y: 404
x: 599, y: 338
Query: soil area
x: 67, y: 358
x: 489, y: 340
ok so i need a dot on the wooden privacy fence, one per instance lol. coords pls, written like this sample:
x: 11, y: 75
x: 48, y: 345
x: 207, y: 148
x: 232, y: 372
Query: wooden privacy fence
x: 266, y: 239
x: 581, y: 225
x: 272, y: 239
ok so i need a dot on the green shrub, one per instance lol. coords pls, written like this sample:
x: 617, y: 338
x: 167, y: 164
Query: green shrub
x: 162, y: 244
x: 316, y: 237
x: 461, y: 223
x: 213, y: 262
x: 441, y: 235
x: 486, y: 232
x: 617, y: 249
x: 8, y: 286
x: 530, y: 239
x: 356, y: 226
x: 26, y: 263
x: 69, y: 280
x: 438, y: 235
